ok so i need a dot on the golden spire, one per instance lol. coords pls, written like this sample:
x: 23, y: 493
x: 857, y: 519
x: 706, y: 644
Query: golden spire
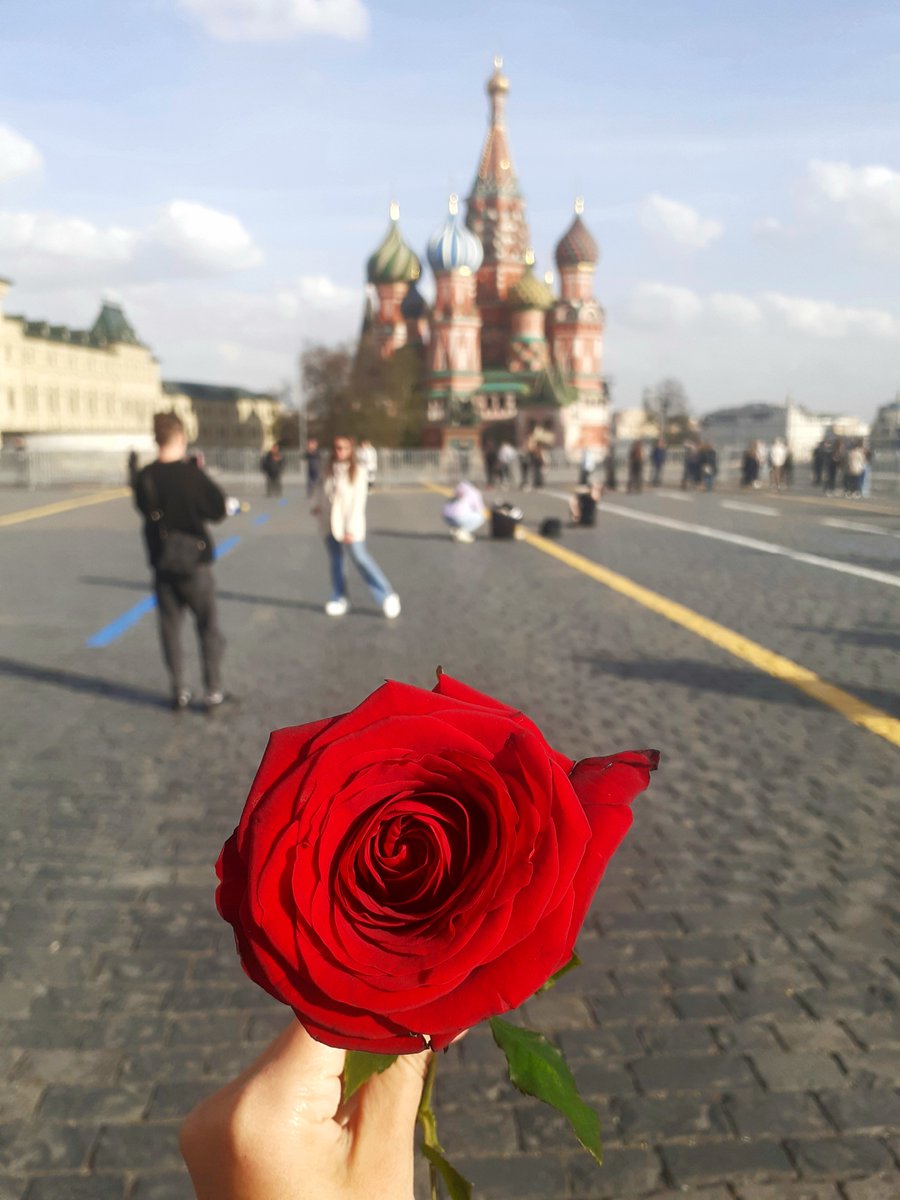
x: 453, y: 204
x: 395, y: 211
x: 529, y: 257
x: 579, y: 205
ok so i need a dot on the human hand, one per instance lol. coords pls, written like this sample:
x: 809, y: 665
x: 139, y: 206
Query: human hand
x: 348, y: 540
x: 280, y: 1132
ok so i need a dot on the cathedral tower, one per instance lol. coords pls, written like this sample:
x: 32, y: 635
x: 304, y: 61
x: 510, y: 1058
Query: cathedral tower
x: 496, y: 213
x: 578, y: 318
x: 391, y: 270
x: 454, y: 353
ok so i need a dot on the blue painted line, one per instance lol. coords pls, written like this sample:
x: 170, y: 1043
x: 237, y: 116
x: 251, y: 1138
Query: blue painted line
x: 261, y: 519
x: 116, y: 628
x: 282, y: 501
x: 225, y: 547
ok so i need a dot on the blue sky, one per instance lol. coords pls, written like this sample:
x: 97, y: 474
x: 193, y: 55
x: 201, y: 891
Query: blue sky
x: 225, y: 167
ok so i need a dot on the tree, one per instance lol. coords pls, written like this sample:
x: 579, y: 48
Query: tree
x: 667, y: 405
x: 363, y: 395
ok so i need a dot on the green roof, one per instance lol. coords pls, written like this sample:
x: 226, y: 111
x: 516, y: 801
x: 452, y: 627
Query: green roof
x: 112, y: 327
x: 213, y: 392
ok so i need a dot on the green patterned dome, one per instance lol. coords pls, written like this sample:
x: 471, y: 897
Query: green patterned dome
x: 531, y: 292
x: 393, y: 261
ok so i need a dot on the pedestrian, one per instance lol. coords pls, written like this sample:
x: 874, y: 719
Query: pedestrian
x: 777, y: 459
x: 340, y: 504
x: 313, y: 458
x: 789, y: 469
x: 506, y: 456
x: 856, y: 467
x: 586, y: 466
x: 708, y: 461
x: 133, y: 469
x: 367, y: 457
x: 610, y: 482
x: 491, y: 463
x: 658, y: 459
x: 749, y: 466
x: 636, y: 466
x: 688, y: 465
x: 525, y: 468
x: 272, y: 466
x: 464, y: 513
x: 866, y: 485
x: 177, y: 499
x: 833, y: 464
x: 819, y: 455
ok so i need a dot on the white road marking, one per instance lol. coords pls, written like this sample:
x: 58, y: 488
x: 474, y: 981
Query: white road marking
x: 672, y: 495
x: 760, y: 509
x: 859, y: 527
x: 737, y: 539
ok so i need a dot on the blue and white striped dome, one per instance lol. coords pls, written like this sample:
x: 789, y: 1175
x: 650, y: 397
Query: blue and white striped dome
x: 453, y: 247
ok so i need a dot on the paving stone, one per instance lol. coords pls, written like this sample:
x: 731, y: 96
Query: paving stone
x: 77, y: 1187
x: 876, y: 1187
x: 840, y: 1156
x: 32, y: 1146
x: 519, y: 1177
x: 873, y: 1070
x: 788, y: 1191
x: 623, y: 1173
x: 669, y: 1118
x: 870, y: 1108
x: 784, y: 1072
x: 727, y: 1161
x: 168, y: 1185
x: 138, y: 1147
x: 68, y: 1102
x: 697, y: 1073
x: 756, y: 1113
x: 12, y: 1189
x: 491, y: 1127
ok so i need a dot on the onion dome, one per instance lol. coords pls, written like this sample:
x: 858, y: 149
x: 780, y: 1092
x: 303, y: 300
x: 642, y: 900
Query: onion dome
x: 453, y: 247
x: 414, y: 304
x: 393, y: 261
x: 529, y: 291
x: 577, y: 246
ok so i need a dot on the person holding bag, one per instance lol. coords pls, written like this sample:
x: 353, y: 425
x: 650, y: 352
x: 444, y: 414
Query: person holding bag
x: 177, y: 498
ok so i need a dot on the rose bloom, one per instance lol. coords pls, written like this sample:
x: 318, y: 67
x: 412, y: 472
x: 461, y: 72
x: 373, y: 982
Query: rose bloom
x: 414, y: 866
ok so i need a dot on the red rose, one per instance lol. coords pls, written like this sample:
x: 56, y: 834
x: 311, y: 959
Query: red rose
x: 414, y: 866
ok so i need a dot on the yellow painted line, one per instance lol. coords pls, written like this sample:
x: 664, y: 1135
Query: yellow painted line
x: 61, y: 506
x: 851, y: 707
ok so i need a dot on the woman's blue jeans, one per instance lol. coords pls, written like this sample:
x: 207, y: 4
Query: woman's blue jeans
x: 373, y: 575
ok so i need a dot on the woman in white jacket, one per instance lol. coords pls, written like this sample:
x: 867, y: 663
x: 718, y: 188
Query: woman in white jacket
x: 340, y: 504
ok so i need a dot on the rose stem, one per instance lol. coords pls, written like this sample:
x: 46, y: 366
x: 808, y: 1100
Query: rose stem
x: 428, y: 1123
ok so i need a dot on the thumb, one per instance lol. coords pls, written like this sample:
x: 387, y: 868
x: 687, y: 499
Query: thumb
x: 384, y: 1125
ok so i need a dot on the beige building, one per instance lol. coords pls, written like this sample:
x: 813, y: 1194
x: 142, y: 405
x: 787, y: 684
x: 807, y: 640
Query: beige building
x: 105, y: 381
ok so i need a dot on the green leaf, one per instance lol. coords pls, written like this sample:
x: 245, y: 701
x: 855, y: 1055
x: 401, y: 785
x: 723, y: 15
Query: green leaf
x: 538, y: 1069
x: 457, y: 1186
x: 360, y: 1065
x: 573, y: 962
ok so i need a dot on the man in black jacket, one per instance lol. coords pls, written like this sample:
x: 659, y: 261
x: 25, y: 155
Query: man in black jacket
x: 178, y: 498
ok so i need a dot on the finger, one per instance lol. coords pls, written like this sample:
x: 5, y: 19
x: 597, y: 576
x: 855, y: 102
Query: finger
x: 300, y: 1077
x: 383, y: 1125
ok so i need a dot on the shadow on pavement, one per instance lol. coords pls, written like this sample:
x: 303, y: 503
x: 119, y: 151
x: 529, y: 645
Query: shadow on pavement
x: 221, y: 594
x: 437, y: 536
x: 73, y: 681
x: 886, y: 637
x: 705, y: 677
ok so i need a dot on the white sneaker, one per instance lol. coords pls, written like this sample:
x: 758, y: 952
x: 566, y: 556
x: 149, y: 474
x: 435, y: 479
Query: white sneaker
x: 337, y: 608
x: 463, y: 535
x: 391, y: 606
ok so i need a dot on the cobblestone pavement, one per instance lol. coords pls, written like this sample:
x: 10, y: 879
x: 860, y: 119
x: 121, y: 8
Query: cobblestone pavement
x: 736, y: 1019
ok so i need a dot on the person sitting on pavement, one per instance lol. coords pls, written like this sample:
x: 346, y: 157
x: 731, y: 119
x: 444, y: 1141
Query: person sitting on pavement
x: 465, y: 512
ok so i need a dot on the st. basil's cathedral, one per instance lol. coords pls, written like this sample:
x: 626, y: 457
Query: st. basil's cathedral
x: 501, y: 354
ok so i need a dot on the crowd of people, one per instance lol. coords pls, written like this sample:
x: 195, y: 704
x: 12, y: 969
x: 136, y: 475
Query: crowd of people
x: 843, y: 466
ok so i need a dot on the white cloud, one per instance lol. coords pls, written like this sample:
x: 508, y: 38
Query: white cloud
x: 203, y: 237
x: 18, y: 156
x: 47, y: 237
x: 277, y: 20
x: 185, y: 239
x: 824, y: 319
x: 735, y: 309
x: 868, y: 198
x: 662, y: 304
x: 768, y: 227
x: 679, y: 222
